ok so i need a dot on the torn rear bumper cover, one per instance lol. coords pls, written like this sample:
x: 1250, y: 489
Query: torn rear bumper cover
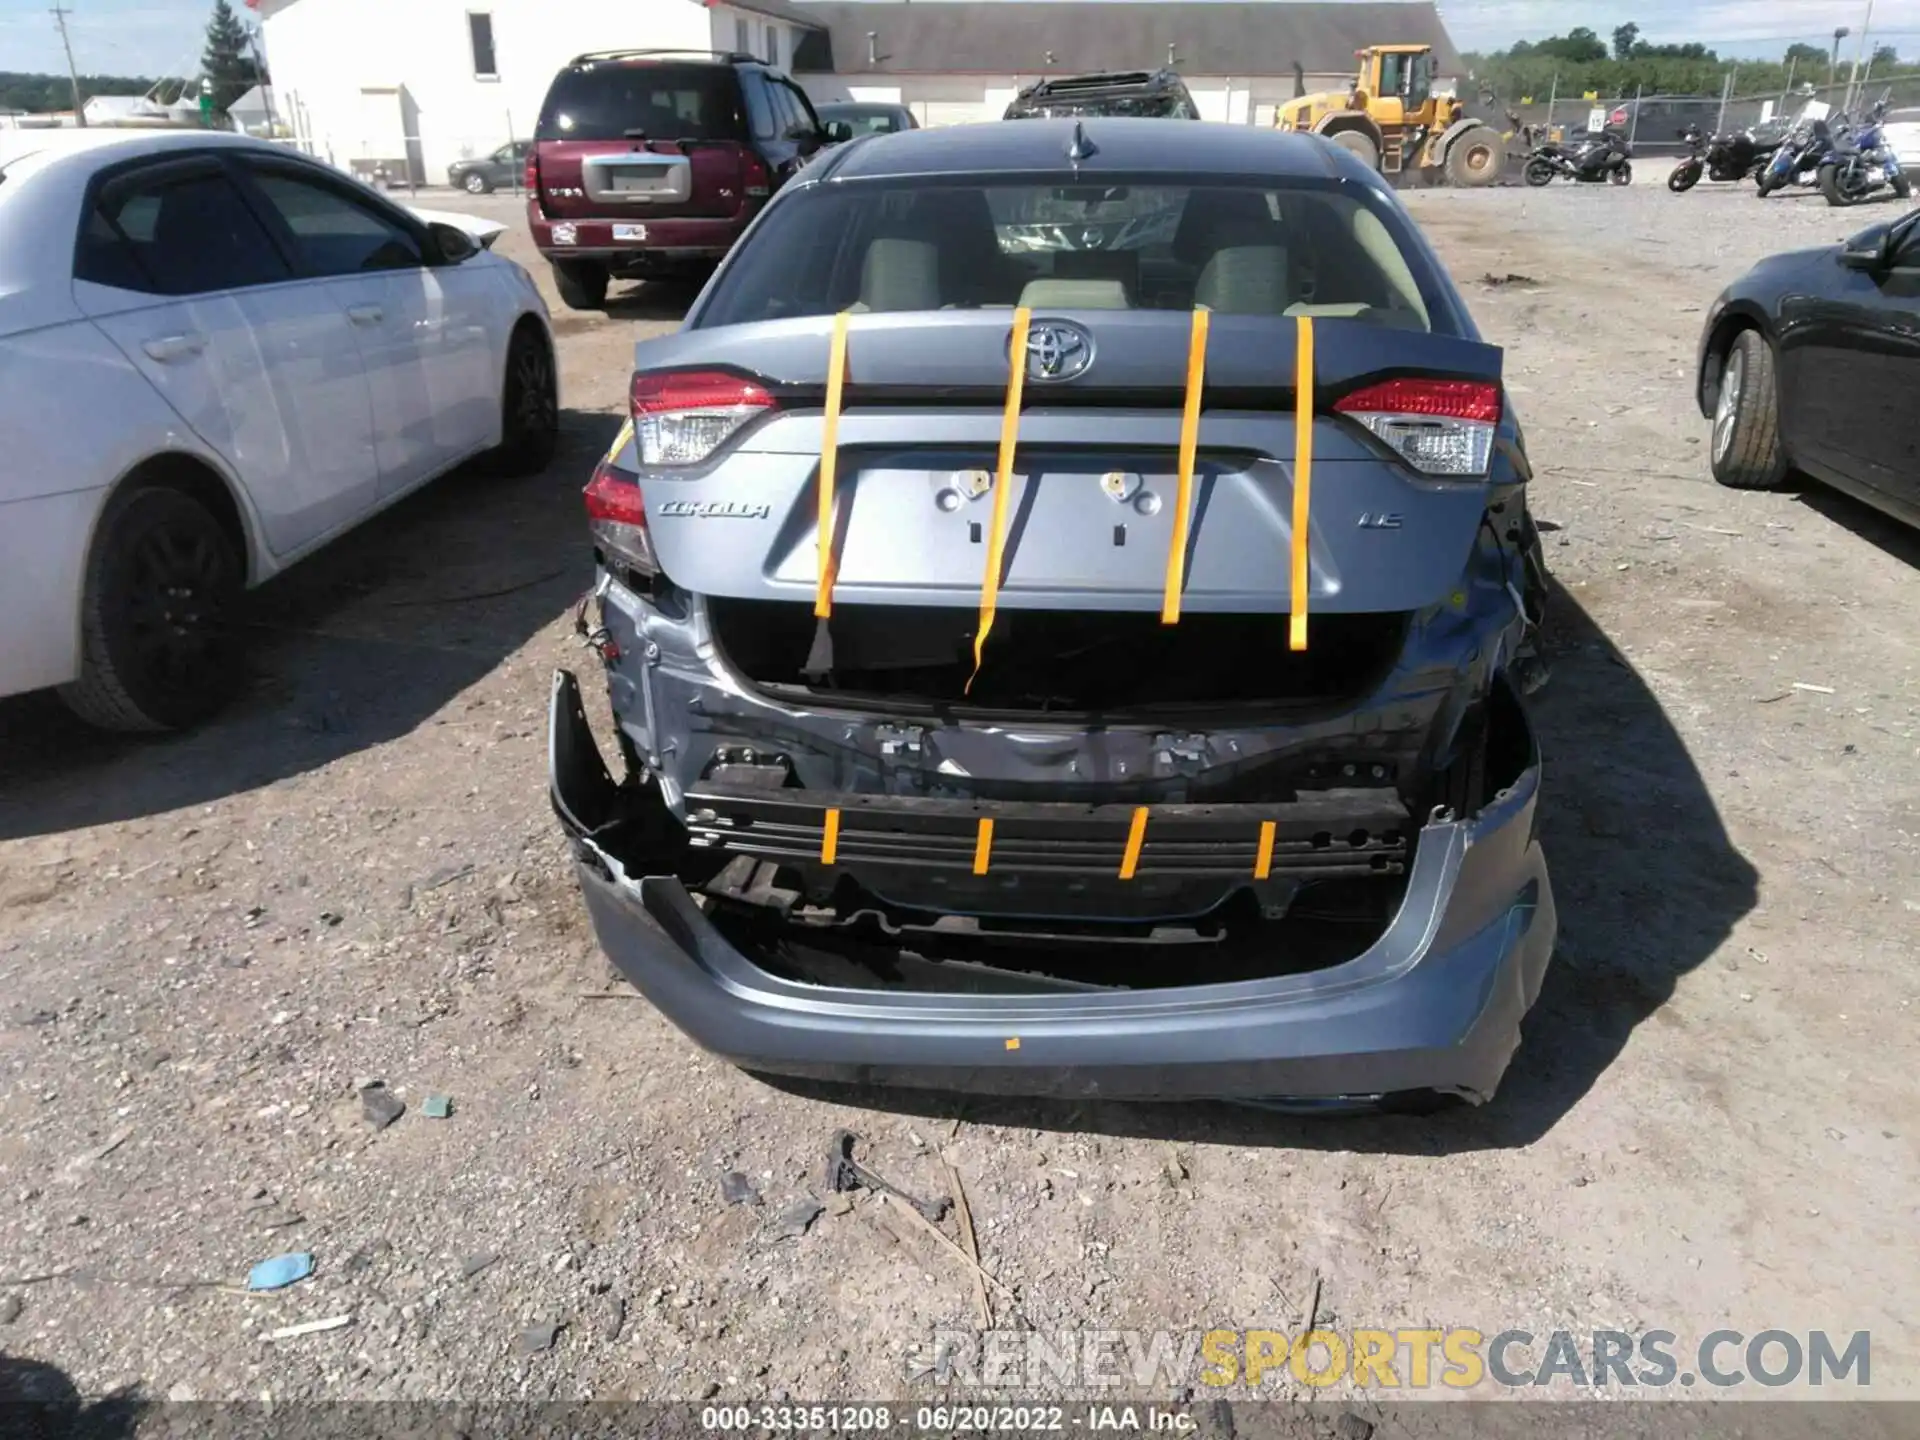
x: 1435, y: 1004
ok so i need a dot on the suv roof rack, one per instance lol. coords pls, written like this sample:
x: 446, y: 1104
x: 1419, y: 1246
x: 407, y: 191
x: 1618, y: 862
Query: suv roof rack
x: 732, y: 57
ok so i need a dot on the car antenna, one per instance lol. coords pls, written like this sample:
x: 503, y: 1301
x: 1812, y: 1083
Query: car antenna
x: 1079, y: 147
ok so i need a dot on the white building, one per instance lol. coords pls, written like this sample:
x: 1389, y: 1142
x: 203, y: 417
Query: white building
x: 389, y: 87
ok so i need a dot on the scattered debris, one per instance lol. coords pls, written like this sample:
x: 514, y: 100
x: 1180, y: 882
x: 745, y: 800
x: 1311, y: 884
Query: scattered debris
x: 276, y: 1218
x: 114, y: 1142
x: 472, y: 1265
x: 536, y: 1338
x: 281, y: 1271
x: 795, y: 1218
x: 839, y: 1204
x: 846, y: 1173
x: 10, y: 1308
x: 436, y: 1107
x: 1494, y: 281
x: 970, y: 1242
x: 1350, y: 1426
x: 380, y: 1106
x: 737, y: 1189
x: 1813, y: 689
x: 310, y: 1327
x: 1773, y: 699
x: 892, y: 1205
x: 612, y: 1317
x: 1714, y: 530
x: 447, y: 876
x: 363, y: 1258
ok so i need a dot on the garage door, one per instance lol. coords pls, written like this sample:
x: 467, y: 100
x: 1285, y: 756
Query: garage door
x: 953, y: 112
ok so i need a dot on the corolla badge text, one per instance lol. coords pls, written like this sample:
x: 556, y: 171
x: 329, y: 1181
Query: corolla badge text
x: 716, y: 509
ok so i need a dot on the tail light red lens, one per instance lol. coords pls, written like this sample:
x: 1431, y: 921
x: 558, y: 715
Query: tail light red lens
x: 1440, y: 427
x: 680, y: 417
x: 617, y: 517
x: 757, y: 180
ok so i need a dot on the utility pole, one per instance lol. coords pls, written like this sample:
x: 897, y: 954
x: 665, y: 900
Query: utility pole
x: 1859, y: 53
x: 60, y: 19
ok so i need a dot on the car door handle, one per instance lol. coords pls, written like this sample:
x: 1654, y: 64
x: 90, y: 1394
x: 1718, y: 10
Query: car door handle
x: 366, y: 314
x: 168, y: 348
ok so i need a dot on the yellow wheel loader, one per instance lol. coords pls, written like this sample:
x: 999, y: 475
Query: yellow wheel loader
x: 1391, y: 118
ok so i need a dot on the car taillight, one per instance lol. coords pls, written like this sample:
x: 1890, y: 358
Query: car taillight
x: 617, y: 517
x: 680, y: 417
x: 1440, y: 427
x: 531, y: 179
x: 759, y: 179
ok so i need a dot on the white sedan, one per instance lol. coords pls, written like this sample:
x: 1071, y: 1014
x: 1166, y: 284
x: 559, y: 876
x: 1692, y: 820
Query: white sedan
x: 215, y: 356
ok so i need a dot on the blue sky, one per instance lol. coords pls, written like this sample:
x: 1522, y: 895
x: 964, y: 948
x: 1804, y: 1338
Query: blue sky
x: 163, y: 36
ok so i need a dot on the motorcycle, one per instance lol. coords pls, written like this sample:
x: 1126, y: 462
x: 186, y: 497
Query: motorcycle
x: 1731, y: 156
x: 1605, y: 158
x: 1863, y: 164
x: 1798, y: 160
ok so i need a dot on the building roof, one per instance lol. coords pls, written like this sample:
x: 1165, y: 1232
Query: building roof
x: 1177, y: 149
x: 1016, y: 37
x: 772, y: 9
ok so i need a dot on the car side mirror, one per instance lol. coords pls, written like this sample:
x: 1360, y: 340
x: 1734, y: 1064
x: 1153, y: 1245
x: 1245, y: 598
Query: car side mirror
x: 1870, y: 250
x: 805, y: 136
x: 453, y: 243
x: 839, y: 131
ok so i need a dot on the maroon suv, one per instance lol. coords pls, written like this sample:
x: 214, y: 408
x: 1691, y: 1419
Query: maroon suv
x: 651, y: 162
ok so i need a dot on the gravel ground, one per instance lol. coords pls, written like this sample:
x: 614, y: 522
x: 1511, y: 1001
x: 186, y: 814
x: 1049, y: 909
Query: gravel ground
x: 207, y: 944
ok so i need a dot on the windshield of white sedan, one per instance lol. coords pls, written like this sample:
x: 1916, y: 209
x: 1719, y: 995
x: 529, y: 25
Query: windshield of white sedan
x: 1235, y: 249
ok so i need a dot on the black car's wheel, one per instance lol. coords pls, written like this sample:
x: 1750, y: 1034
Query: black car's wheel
x: 158, y: 651
x: 1902, y: 187
x: 1685, y: 176
x: 1538, y: 173
x: 1747, y: 453
x: 477, y: 184
x: 581, y: 283
x: 529, y: 406
x: 1763, y: 187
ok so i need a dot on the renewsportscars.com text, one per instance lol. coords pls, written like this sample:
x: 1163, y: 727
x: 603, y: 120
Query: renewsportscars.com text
x: 1402, y: 1359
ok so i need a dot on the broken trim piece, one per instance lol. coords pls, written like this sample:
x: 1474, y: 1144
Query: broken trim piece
x: 1189, y: 448
x: 1302, y: 481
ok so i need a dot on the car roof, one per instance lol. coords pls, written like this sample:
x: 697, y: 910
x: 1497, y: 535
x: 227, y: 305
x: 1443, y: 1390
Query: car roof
x: 103, y: 146
x: 1178, y: 149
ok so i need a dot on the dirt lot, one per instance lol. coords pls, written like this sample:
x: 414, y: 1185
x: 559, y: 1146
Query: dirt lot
x: 206, y: 942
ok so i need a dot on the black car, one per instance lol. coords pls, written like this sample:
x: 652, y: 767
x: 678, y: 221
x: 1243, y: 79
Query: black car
x: 1809, y: 362
x: 849, y: 120
x: 1154, y: 95
x: 487, y: 173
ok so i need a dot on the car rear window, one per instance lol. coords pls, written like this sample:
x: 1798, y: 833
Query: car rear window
x: 1238, y: 249
x: 660, y: 102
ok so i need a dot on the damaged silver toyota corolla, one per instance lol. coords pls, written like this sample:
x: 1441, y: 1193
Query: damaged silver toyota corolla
x: 1013, y: 694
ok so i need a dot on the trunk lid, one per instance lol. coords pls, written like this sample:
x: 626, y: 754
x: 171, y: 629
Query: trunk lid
x: 641, y: 140
x: 1092, y: 505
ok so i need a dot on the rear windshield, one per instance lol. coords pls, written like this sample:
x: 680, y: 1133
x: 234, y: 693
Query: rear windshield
x: 1246, y: 250
x: 659, y: 102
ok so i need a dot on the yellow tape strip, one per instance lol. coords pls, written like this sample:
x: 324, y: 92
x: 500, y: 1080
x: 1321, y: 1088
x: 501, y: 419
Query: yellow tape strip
x: 1002, y: 484
x: 830, y: 838
x: 1136, y: 837
x: 1302, y: 480
x: 1263, y: 862
x: 620, y: 440
x: 829, y: 458
x: 1189, y: 448
x: 983, y: 847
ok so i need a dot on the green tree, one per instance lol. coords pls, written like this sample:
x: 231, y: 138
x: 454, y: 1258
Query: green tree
x: 1624, y: 39
x: 1885, y: 57
x: 1803, y: 54
x: 228, y: 59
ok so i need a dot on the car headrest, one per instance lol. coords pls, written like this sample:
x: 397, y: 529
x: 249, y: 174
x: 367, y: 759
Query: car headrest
x: 1246, y: 280
x: 1214, y: 219
x: 900, y: 274
x: 1075, y: 295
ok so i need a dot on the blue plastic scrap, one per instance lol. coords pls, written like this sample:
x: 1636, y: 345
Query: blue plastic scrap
x: 280, y: 1272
